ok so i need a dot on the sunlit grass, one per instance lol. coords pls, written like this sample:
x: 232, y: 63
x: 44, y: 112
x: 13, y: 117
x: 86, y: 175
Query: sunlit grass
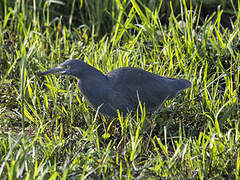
x: 49, y: 131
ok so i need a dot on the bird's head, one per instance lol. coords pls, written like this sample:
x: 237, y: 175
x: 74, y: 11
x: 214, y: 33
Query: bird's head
x: 71, y: 67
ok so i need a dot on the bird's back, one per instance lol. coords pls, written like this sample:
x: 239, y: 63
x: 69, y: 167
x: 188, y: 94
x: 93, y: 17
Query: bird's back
x: 132, y: 84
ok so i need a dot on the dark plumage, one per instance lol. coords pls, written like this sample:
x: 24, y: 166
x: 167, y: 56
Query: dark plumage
x: 122, y: 88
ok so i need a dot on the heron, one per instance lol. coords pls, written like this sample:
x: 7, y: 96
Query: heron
x: 121, y: 89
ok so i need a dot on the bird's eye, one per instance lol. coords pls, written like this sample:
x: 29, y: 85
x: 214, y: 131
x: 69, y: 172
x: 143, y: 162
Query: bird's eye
x: 65, y: 66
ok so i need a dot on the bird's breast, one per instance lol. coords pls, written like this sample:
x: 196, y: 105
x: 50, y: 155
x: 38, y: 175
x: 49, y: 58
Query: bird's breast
x: 94, y: 92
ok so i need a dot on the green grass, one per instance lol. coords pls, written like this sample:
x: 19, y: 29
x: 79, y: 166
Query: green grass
x: 49, y: 131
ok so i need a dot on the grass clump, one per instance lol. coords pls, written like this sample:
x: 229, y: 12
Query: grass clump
x: 49, y: 131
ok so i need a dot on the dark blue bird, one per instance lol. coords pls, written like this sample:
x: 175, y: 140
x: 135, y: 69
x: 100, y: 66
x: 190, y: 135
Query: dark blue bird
x: 121, y: 89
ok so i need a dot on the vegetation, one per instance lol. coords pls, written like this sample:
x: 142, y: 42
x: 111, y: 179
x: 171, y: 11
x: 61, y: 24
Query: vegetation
x: 49, y: 131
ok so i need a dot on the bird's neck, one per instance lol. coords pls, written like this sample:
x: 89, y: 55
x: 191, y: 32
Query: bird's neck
x: 94, y: 86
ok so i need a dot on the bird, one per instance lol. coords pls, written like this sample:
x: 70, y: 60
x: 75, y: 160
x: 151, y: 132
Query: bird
x: 121, y: 89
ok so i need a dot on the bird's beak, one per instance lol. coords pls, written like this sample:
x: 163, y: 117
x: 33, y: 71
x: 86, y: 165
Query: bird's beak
x: 62, y: 70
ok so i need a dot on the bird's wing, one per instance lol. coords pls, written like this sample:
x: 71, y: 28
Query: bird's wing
x: 132, y: 84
